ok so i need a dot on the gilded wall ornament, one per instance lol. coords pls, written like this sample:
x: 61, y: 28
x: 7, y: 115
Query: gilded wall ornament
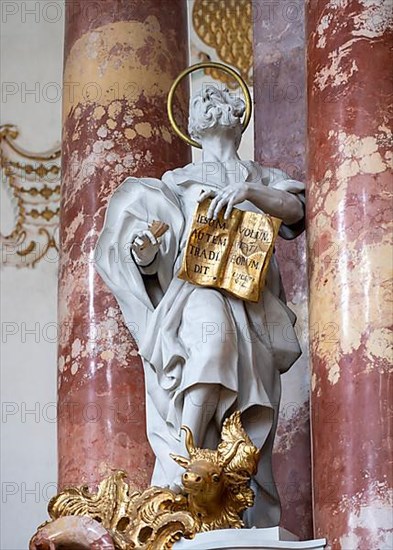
x: 226, y: 26
x: 214, y: 493
x: 32, y: 182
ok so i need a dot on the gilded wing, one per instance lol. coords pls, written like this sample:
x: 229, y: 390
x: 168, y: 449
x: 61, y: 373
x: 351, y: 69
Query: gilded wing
x: 247, y: 457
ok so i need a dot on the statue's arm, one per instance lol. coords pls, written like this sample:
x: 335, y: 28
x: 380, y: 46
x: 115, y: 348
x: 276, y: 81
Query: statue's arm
x: 277, y: 203
x: 147, y: 269
x: 272, y: 191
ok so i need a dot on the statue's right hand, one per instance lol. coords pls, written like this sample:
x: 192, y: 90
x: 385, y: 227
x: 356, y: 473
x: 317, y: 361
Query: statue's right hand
x: 144, y: 247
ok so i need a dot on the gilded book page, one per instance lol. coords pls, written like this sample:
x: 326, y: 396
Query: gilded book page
x: 231, y: 254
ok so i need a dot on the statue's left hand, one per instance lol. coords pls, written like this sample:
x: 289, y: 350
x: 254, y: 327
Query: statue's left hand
x: 228, y: 198
x: 144, y: 248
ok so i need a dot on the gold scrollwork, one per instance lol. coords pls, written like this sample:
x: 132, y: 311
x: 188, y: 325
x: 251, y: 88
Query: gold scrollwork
x: 226, y: 26
x: 214, y: 495
x: 34, y: 188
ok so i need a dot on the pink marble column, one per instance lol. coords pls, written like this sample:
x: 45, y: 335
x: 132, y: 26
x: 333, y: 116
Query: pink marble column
x: 121, y: 56
x: 280, y: 141
x: 349, y: 240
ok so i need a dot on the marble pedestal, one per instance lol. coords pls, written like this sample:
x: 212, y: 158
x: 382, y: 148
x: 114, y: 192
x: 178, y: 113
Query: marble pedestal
x: 247, y: 539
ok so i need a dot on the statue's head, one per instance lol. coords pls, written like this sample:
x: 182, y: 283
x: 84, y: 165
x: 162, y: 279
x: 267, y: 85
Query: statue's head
x: 213, y: 110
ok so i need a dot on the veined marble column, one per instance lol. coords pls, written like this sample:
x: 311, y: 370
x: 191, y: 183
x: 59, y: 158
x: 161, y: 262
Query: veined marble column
x: 121, y: 57
x: 349, y: 239
x: 280, y: 141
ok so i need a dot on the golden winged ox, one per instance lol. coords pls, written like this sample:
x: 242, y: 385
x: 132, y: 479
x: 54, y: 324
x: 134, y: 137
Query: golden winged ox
x: 215, y: 492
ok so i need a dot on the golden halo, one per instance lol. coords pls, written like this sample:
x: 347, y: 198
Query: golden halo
x: 197, y: 67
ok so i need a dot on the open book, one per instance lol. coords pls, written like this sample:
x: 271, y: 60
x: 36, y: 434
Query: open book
x: 231, y: 254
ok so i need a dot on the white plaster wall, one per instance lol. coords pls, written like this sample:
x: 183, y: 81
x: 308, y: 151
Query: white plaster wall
x: 31, y: 58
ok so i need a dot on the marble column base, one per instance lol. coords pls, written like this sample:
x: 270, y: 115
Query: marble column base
x: 247, y: 539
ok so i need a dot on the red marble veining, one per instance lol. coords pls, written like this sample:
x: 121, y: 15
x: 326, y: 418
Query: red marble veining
x: 293, y: 481
x: 349, y: 232
x: 85, y: 16
x: 280, y: 141
x: 101, y: 423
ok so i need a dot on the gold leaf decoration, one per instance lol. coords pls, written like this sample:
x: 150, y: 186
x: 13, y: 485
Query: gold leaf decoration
x: 214, y: 494
x: 226, y: 26
x: 33, y: 185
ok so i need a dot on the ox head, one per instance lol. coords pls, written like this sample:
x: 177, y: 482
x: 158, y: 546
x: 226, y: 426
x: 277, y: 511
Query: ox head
x: 205, y: 476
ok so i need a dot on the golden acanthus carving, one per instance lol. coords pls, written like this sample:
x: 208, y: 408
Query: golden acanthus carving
x: 214, y: 494
x: 34, y: 189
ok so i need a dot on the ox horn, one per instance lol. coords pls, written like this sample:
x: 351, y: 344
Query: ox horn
x: 227, y: 457
x: 181, y: 460
x: 190, y: 444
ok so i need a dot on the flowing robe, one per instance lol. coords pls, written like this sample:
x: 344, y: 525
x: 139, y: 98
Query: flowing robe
x: 189, y: 335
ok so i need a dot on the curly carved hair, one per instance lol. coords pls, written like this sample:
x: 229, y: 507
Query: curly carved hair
x: 212, y: 107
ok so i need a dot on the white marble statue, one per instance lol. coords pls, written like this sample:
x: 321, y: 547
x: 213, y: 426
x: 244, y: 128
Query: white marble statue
x: 205, y: 353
